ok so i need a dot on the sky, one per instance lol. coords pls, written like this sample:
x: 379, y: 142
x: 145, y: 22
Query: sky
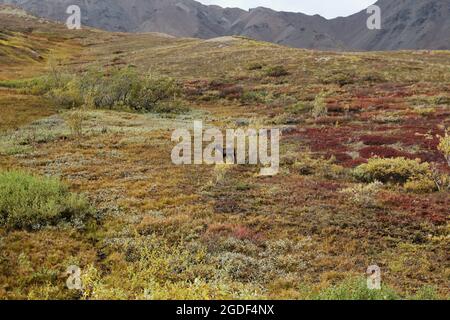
x: 326, y: 8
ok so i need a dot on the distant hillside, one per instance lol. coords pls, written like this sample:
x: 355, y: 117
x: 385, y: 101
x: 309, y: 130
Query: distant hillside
x: 406, y: 24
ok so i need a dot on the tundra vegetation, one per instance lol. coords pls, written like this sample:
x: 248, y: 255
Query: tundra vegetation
x: 86, y: 177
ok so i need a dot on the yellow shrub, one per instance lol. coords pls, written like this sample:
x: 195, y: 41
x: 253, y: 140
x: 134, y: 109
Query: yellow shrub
x: 74, y: 120
x: 413, y: 175
x: 396, y: 170
x: 422, y: 185
x: 320, y: 106
x: 444, y: 146
x: 307, y: 165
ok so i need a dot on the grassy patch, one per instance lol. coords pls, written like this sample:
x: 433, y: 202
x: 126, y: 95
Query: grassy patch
x: 32, y: 202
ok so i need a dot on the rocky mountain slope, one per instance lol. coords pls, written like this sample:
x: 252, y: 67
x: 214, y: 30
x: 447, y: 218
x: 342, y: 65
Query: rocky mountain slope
x: 406, y: 24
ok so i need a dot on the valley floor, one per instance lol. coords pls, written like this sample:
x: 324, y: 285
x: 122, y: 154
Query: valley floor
x: 203, y: 232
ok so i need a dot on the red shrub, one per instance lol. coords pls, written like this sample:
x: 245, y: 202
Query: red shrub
x: 372, y: 140
x: 339, y: 156
x: 383, y: 152
x: 240, y: 232
x: 244, y: 233
x: 231, y: 92
x: 354, y: 162
x: 433, y: 208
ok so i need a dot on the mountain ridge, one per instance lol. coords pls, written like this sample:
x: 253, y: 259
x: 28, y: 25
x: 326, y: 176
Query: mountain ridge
x: 406, y: 24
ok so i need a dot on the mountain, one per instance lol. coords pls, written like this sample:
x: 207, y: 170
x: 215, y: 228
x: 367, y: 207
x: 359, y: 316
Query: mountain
x: 406, y: 24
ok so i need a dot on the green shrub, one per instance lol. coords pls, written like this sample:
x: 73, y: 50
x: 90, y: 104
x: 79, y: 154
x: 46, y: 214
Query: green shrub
x: 396, y: 170
x: 373, y: 77
x: 441, y: 100
x: 249, y: 97
x: 13, y: 84
x: 254, y: 66
x: 340, y: 78
x: 281, y: 101
x: 172, y: 106
x: 31, y: 202
x: 353, y: 289
x: 125, y: 89
x: 427, y: 293
x: 148, y: 94
x: 68, y: 96
x: 299, y: 108
x: 276, y: 71
x: 120, y: 89
x: 37, y: 86
x: 422, y: 184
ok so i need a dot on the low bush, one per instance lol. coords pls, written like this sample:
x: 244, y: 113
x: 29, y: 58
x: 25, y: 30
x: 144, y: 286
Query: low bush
x: 74, y: 120
x: 280, y: 101
x: 299, y: 108
x: 340, y: 78
x: 373, y: 77
x: 254, y: 66
x: 231, y: 92
x: 31, y: 202
x: 363, y: 195
x: 307, y: 165
x: 125, y: 88
x: 400, y: 171
x: 120, y: 89
x: 276, y: 71
x: 257, y: 97
x: 157, y: 269
x: 420, y: 185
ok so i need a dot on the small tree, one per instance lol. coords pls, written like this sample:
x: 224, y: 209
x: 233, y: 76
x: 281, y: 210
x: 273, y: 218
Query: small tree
x: 74, y: 120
